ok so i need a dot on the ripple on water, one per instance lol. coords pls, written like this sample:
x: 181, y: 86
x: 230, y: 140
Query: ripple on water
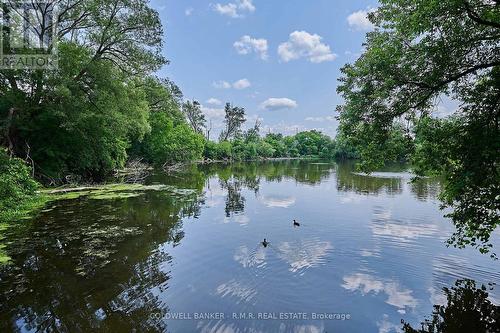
x: 302, y: 255
x: 448, y: 269
x: 250, y: 258
x: 238, y: 290
x: 454, y: 267
x: 405, y: 233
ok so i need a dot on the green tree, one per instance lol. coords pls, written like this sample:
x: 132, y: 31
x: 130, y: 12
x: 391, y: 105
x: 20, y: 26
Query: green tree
x: 277, y: 143
x: 234, y: 119
x: 82, y: 117
x: 79, y: 131
x: 292, y: 146
x: 253, y: 134
x: 265, y: 149
x: 165, y: 96
x: 168, y: 142
x: 194, y: 115
x: 218, y: 151
x: 238, y: 149
x: 418, y: 52
x: 224, y: 150
x: 344, y: 149
x: 210, y: 151
x: 314, y: 143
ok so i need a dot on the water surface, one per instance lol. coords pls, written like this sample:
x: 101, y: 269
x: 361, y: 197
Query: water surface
x: 370, y: 250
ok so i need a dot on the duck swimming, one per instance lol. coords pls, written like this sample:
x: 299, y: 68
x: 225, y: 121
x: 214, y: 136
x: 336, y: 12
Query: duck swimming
x: 296, y: 224
x: 265, y: 243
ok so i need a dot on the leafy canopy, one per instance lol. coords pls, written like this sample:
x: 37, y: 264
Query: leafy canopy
x: 420, y: 51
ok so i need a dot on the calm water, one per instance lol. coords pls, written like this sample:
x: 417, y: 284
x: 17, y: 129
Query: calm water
x: 370, y: 248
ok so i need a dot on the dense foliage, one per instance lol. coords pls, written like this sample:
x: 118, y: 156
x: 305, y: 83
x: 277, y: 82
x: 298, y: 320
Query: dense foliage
x: 102, y: 104
x: 251, y: 146
x: 236, y: 144
x: 17, y: 187
x: 168, y: 142
x: 419, y: 52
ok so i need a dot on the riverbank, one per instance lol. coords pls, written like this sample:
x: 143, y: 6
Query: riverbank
x: 260, y: 159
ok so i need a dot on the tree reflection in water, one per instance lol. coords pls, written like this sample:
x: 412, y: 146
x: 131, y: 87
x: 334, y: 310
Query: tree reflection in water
x: 93, y: 266
x: 100, y: 265
x: 468, y: 309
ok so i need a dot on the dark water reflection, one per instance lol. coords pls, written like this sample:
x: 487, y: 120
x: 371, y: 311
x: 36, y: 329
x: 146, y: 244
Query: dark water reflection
x: 369, y: 246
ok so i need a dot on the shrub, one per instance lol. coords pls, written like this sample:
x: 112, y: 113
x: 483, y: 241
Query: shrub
x: 16, y: 183
x: 18, y: 197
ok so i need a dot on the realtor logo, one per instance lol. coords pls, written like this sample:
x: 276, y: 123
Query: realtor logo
x: 28, y: 34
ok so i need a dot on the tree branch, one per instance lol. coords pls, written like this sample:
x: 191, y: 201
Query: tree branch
x: 478, y: 19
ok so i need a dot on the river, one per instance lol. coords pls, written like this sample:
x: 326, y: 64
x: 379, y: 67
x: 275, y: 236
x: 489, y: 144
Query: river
x: 370, y: 251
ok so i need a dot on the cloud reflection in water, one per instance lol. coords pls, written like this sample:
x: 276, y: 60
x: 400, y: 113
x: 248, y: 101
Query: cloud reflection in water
x: 396, y: 295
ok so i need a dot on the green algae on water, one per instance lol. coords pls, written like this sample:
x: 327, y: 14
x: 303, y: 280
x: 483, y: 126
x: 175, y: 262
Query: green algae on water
x: 113, y: 195
x: 106, y: 192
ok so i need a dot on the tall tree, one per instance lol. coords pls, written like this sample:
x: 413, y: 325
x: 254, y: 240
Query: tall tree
x: 164, y: 96
x: 420, y: 51
x: 194, y: 115
x: 253, y: 134
x: 94, y: 103
x: 234, y: 118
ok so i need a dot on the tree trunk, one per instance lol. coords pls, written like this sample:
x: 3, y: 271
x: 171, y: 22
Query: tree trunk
x: 8, y: 125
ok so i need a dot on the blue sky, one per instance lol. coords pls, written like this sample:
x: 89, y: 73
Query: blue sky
x: 278, y: 59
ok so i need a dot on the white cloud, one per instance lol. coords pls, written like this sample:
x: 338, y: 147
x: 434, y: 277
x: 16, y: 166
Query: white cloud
x: 230, y: 9
x: 445, y: 107
x: 241, y: 84
x: 359, y: 20
x: 215, y: 122
x: 221, y: 85
x: 213, y: 113
x: 246, y: 5
x: 252, y: 118
x: 282, y: 127
x: 247, y: 45
x: 189, y: 11
x: 278, y: 104
x: 214, y: 101
x: 318, y: 119
x: 302, y: 44
x: 235, y: 10
x: 321, y: 119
